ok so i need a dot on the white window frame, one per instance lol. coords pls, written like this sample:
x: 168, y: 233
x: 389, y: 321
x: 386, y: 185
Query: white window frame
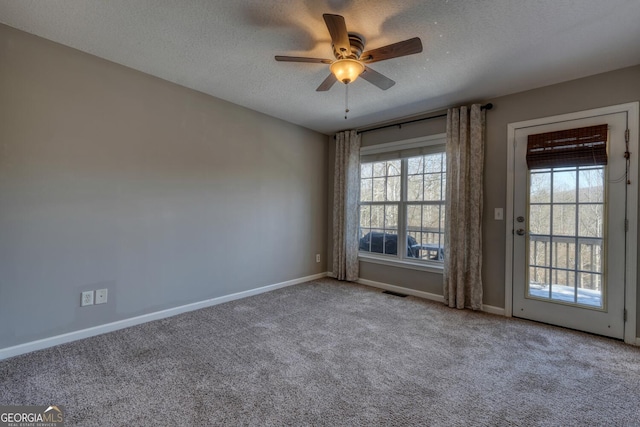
x: 401, y: 260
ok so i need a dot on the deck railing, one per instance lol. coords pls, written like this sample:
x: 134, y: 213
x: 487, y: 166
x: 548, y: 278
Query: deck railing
x: 568, y: 261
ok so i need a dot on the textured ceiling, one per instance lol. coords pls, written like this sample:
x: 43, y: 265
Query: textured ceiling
x: 473, y: 49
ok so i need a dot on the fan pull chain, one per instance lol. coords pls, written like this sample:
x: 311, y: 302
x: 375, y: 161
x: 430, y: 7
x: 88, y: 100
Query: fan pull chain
x: 346, y: 101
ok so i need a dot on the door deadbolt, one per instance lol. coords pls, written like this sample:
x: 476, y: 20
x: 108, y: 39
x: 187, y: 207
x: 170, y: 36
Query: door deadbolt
x: 520, y: 219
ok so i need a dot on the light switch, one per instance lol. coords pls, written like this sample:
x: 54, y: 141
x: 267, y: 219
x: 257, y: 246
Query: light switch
x: 498, y: 214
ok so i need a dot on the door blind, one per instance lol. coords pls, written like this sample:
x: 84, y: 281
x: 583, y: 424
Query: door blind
x: 572, y: 147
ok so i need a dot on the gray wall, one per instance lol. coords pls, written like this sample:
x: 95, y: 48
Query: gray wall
x: 165, y: 196
x: 616, y: 87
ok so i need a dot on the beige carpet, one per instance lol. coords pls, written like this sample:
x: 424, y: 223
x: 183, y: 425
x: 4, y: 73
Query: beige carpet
x: 328, y: 353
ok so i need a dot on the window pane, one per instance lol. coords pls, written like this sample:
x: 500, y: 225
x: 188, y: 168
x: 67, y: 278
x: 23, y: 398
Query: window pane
x: 394, y: 168
x: 365, y: 216
x: 366, y: 170
x: 539, y: 252
x: 414, y: 188
x: 432, y: 248
x: 413, y: 244
x: 391, y: 242
x: 591, y: 255
x: 564, y: 186
x: 539, y: 282
x: 393, y: 189
x: 589, y: 281
x: 366, y: 190
x: 432, y: 187
x: 414, y: 218
x: 391, y: 217
x: 379, y: 189
x: 591, y: 185
x: 564, y: 255
x: 436, y: 239
x: 431, y: 218
x: 363, y: 232
x: 415, y: 165
x: 539, y: 279
x: 590, y: 220
x: 428, y: 239
x: 563, y: 285
x: 377, y: 216
x: 590, y: 289
x: 365, y: 242
x: 564, y: 220
x: 539, y: 219
x: 376, y: 240
x: 540, y: 188
x: 379, y: 169
x: 425, y: 227
x: 433, y: 162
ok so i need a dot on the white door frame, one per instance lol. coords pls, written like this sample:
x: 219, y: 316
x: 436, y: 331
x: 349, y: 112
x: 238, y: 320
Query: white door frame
x: 633, y: 110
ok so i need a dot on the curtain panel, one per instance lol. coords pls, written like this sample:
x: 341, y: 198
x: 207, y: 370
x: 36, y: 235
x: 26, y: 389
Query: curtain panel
x: 463, y: 209
x: 346, y: 194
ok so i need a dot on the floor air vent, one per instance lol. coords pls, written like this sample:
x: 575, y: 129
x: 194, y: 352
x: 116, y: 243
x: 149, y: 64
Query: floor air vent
x: 395, y: 294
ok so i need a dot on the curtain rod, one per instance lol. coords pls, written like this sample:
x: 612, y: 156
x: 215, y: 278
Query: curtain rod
x: 488, y: 106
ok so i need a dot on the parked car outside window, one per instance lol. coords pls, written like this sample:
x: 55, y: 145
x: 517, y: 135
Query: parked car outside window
x: 387, y: 243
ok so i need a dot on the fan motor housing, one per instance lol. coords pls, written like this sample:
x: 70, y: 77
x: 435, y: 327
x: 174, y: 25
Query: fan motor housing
x: 357, y: 46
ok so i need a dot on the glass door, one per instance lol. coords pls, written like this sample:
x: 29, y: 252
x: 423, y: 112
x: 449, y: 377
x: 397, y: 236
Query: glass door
x: 569, y: 235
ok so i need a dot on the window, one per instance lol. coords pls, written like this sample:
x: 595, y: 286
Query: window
x: 402, y: 195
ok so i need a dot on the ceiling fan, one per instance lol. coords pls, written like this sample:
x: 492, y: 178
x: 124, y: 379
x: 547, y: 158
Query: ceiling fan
x: 350, y: 60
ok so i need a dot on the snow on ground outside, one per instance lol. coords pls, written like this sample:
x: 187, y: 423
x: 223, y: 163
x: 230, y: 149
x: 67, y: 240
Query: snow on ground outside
x: 567, y: 294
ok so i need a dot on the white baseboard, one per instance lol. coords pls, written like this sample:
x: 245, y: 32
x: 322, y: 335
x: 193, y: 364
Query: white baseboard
x: 421, y: 294
x: 493, y: 310
x: 17, y: 350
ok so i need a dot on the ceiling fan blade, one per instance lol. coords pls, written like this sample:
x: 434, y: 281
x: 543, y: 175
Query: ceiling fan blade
x: 374, y: 77
x: 327, y: 83
x: 407, y: 47
x: 302, y: 59
x: 338, y: 31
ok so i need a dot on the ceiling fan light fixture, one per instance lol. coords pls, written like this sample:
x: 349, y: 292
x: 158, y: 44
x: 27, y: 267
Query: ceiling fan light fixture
x: 347, y: 70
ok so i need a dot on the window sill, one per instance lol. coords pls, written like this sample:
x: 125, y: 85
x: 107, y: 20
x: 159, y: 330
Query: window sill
x: 395, y: 262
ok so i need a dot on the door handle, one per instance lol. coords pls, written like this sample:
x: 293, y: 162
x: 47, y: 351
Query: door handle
x: 520, y: 231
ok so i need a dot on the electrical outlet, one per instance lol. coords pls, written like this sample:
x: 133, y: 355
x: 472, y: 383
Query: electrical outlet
x: 317, y: 257
x: 101, y: 296
x: 87, y: 298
